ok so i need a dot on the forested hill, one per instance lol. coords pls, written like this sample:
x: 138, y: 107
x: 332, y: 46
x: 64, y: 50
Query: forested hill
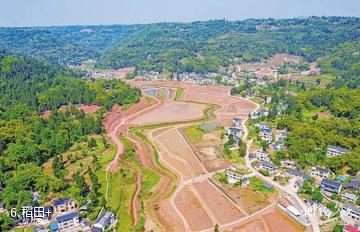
x: 28, y: 139
x: 31, y: 85
x: 179, y: 47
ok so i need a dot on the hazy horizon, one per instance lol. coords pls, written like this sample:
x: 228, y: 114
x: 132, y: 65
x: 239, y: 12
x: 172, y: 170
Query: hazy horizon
x: 20, y: 13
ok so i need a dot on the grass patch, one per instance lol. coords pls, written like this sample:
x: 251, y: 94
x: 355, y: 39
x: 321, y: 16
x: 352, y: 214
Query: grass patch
x: 150, y: 100
x: 194, y: 133
x: 179, y: 93
x: 234, y: 157
x: 161, y: 94
x: 122, y: 185
x: 257, y: 185
x: 149, y: 180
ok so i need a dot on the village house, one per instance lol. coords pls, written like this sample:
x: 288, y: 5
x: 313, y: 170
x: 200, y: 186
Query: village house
x: 66, y: 222
x: 63, y: 205
x: 85, y: 224
x: 236, y: 132
x: 298, y: 174
x: 266, y: 135
x: 234, y: 177
x: 320, y: 172
x: 277, y: 146
x: 350, y: 211
x: 263, y: 126
x: 330, y: 186
x: 280, y: 136
x: 104, y: 220
x: 320, y: 208
x: 289, y: 164
x: 236, y: 122
x: 335, y: 151
x: 349, y: 197
x: 262, y: 155
x: 354, y: 184
x: 270, y: 167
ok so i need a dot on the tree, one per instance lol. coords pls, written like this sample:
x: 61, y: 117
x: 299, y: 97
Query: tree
x: 6, y: 222
x: 80, y: 183
x: 242, y: 148
x: 216, y: 229
x: 57, y: 166
x: 307, y: 187
x: 317, y: 196
x: 338, y: 228
x: 92, y: 143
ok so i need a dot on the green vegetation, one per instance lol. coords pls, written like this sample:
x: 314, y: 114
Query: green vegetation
x: 183, y: 47
x: 194, y: 133
x: 150, y: 179
x: 122, y: 185
x: 62, y: 141
x: 179, y: 93
x: 258, y: 185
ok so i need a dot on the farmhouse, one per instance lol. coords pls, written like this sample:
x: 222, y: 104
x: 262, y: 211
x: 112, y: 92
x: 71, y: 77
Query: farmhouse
x: 262, y: 155
x: 320, y: 172
x: 320, y: 208
x: 354, y: 184
x: 277, y: 146
x: 350, y: 211
x: 67, y: 222
x: 263, y: 126
x: 105, y: 220
x: 236, y: 122
x: 266, y: 135
x: 234, y: 176
x: 349, y: 197
x: 268, y: 166
x: 298, y: 174
x: 281, y: 136
x: 289, y: 164
x: 330, y: 186
x: 236, y: 132
x: 335, y: 151
x: 63, y: 205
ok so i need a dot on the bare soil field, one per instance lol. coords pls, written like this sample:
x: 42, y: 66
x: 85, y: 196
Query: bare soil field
x: 206, y: 94
x: 278, y: 221
x: 174, y: 143
x: 192, y: 210
x: 248, y: 199
x: 168, y: 217
x: 271, y: 220
x: 240, y: 107
x: 208, y: 151
x: 171, y: 112
x: 223, y: 210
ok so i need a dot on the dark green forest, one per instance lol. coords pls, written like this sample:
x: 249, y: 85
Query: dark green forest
x: 183, y: 47
x: 28, y: 139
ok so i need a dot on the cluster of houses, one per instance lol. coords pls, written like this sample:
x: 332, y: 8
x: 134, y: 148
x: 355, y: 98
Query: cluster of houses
x: 265, y: 162
x: 63, y: 216
x: 328, y: 186
x: 265, y: 132
x: 150, y: 76
x: 235, y: 130
x: 259, y: 114
x: 233, y: 175
x: 67, y: 218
